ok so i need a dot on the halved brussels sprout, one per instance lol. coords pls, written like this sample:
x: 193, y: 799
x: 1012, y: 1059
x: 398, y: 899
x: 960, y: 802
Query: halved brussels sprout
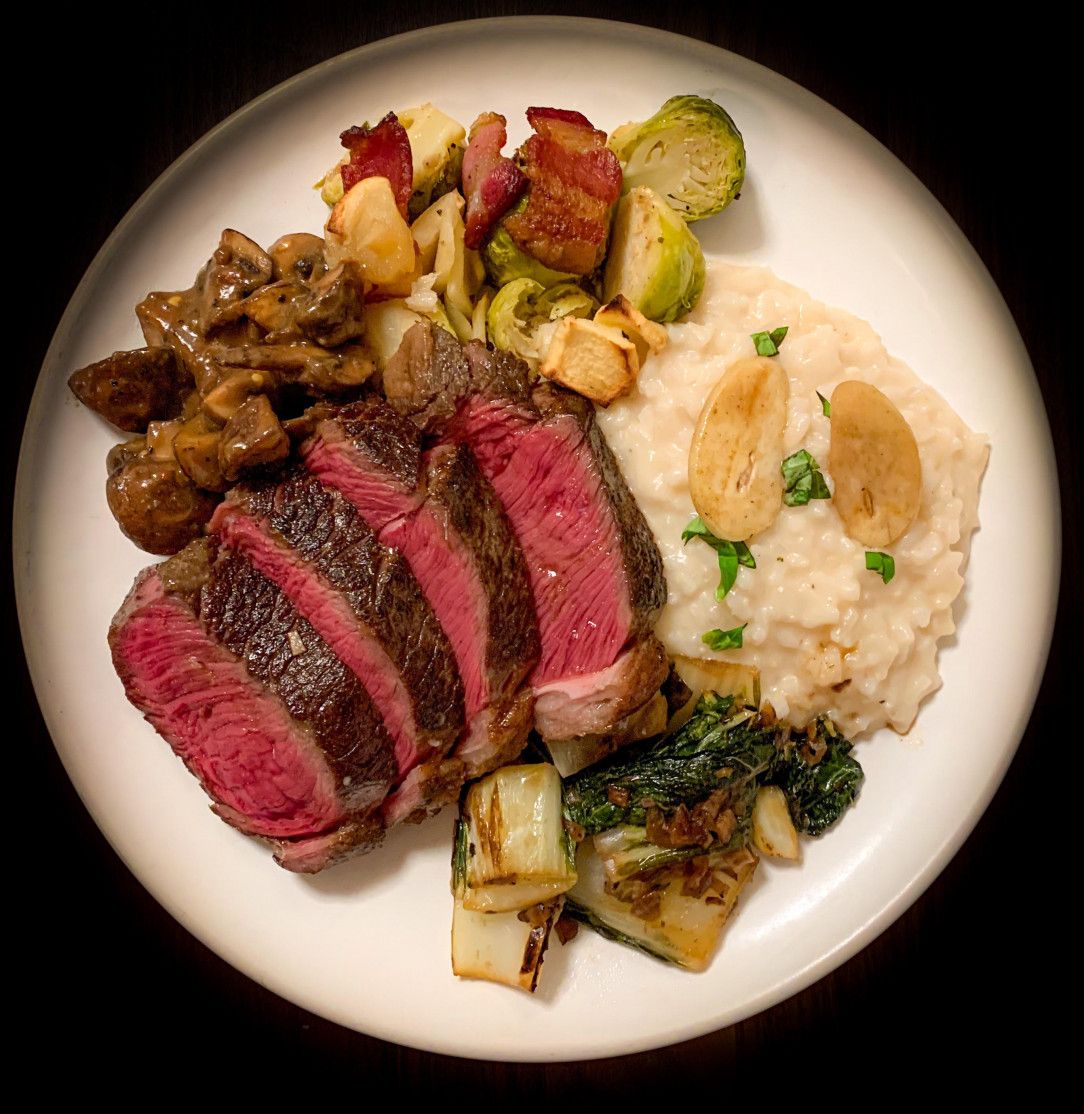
x: 690, y: 152
x: 522, y: 309
x: 654, y: 259
x: 505, y: 261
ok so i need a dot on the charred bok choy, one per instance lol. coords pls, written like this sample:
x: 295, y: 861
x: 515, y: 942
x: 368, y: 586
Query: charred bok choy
x: 512, y: 860
x: 674, y: 822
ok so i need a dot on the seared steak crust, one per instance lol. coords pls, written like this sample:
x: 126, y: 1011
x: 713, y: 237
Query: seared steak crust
x: 329, y: 534
x: 456, y: 484
x: 250, y: 617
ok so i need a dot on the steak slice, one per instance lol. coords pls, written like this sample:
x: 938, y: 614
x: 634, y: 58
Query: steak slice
x: 439, y: 512
x: 279, y: 733
x: 595, y: 571
x: 362, y: 599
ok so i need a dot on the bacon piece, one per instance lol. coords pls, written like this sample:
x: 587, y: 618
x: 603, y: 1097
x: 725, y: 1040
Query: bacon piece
x: 382, y: 151
x: 543, y: 116
x: 491, y: 181
x: 574, y: 181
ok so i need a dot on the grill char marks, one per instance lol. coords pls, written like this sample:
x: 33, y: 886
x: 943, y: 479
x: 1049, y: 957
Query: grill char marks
x: 442, y: 515
x: 327, y: 555
x: 595, y: 571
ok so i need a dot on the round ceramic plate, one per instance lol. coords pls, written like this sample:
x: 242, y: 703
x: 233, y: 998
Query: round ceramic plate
x: 366, y: 944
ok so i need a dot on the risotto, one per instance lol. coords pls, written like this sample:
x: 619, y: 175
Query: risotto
x: 827, y: 634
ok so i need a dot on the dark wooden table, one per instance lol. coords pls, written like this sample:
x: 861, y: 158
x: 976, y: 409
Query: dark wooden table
x: 976, y: 112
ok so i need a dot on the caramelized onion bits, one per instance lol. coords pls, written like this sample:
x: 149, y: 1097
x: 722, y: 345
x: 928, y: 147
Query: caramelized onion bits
x: 874, y: 462
x: 734, y: 476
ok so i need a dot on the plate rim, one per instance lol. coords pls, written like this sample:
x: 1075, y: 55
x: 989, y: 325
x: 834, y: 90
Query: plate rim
x: 938, y: 860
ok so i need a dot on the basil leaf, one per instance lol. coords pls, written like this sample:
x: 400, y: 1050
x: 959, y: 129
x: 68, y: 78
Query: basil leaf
x: 744, y: 556
x: 802, y: 480
x: 696, y: 529
x: 724, y: 639
x: 728, y: 568
x: 882, y: 563
x: 730, y: 554
x: 826, y: 406
x: 767, y: 344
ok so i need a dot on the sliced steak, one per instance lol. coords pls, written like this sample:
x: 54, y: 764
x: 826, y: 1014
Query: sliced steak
x: 280, y: 734
x: 439, y: 512
x: 595, y: 571
x: 360, y: 595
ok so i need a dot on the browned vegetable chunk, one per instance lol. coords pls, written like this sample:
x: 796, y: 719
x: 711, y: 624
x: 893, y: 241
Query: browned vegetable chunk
x: 156, y: 505
x: 252, y: 438
x: 133, y: 388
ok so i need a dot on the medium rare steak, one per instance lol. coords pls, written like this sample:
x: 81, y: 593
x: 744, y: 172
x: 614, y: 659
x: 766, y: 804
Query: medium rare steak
x: 439, y: 512
x: 362, y: 598
x: 279, y: 732
x: 595, y: 571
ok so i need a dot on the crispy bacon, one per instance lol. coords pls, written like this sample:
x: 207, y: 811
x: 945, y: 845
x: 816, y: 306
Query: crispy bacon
x: 574, y: 181
x: 491, y: 181
x: 382, y: 151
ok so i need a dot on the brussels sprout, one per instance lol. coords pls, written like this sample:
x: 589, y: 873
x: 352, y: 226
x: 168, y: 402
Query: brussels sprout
x: 505, y: 261
x: 690, y: 151
x: 522, y: 309
x: 654, y: 259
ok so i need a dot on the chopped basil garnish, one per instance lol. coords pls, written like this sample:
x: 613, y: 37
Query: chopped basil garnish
x: 724, y: 639
x: 826, y: 406
x: 767, y: 344
x: 802, y: 480
x: 730, y: 554
x: 883, y: 563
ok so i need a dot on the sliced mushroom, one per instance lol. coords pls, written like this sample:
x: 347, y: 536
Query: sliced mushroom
x: 126, y: 451
x: 734, y: 476
x: 275, y: 307
x: 298, y: 255
x: 196, y: 449
x: 253, y: 438
x: 156, y: 505
x: 332, y: 313
x: 313, y: 367
x: 238, y: 267
x: 235, y: 387
x: 133, y: 388
x: 875, y: 464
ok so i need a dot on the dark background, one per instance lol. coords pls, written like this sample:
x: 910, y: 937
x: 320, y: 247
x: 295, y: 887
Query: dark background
x: 979, y: 110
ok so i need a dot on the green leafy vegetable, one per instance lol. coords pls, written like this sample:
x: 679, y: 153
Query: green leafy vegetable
x: 818, y: 792
x: 718, y: 748
x: 731, y: 554
x: 767, y: 344
x: 882, y: 563
x: 802, y: 480
x: 724, y: 639
x: 826, y: 406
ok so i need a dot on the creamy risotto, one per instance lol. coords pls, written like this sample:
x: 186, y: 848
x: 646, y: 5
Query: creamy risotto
x: 827, y: 634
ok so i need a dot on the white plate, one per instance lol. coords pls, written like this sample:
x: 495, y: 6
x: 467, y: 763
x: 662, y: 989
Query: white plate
x: 367, y: 944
